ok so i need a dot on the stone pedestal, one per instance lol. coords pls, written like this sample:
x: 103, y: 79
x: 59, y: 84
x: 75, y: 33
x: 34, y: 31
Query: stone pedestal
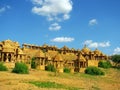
x: 9, y: 65
x: 72, y: 70
x: 60, y: 70
x: 29, y: 66
x: 7, y: 58
x: 82, y: 70
x: 40, y: 67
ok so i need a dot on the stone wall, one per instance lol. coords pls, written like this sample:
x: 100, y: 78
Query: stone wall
x: 93, y: 63
x: 9, y: 65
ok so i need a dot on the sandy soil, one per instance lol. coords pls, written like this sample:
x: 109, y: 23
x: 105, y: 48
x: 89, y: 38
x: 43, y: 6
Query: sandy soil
x: 11, y: 81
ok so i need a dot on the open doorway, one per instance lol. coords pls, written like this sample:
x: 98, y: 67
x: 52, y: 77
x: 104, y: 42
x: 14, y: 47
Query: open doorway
x: 9, y: 57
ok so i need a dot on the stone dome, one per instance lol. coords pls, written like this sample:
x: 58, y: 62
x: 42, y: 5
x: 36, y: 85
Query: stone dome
x: 86, y: 50
x: 45, y: 45
x: 58, y: 57
x: 73, y: 49
x: 97, y: 52
x: 78, y: 50
x: 8, y: 48
x: 65, y: 48
x: 55, y: 47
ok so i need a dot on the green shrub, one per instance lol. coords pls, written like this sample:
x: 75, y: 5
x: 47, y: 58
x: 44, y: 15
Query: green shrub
x: 94, y: 71
x: 104, y: 64
x: 66, y: 70
x: 50, y: 68
x: 33, y: 64
x: 2, y: 67
x: 20, y: 68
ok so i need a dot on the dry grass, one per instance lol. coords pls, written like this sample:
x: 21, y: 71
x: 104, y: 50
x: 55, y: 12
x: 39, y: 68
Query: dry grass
x: 11, y: 81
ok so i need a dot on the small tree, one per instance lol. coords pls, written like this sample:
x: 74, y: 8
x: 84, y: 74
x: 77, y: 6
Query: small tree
x: 104, y: 64
x: 94, y: 71
x: 2, y: 67
x: 20, y: 68
x: 116, y: 59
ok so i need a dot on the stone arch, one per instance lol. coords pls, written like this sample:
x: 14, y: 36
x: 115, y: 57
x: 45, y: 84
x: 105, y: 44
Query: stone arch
x: 9, y: 57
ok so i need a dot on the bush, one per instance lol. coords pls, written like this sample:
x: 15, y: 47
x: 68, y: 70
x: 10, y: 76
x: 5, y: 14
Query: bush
x: 94, y: 71
x: 104, y: 64
x: 50, y: 68
x: 2, y: 67
x: 66, y: 70
x: 33, y: 64
x: 20, y: 68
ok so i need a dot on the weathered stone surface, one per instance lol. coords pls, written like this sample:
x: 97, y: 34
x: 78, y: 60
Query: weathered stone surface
x: 77, y: 60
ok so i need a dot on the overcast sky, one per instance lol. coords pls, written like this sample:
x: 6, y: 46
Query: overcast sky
x: 73, y: 23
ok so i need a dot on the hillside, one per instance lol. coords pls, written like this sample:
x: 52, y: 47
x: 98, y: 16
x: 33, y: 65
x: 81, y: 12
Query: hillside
x: 77, y: 81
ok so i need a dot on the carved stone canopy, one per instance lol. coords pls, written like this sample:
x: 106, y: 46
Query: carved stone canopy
x: 86, y: 50
x: 58, y: 57
x: 65, y: 48
x: 81, y: 58
x: 97, y: 52
x: 47, y: 56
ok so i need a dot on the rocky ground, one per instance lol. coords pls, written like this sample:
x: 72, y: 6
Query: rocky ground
x: 11, y: 81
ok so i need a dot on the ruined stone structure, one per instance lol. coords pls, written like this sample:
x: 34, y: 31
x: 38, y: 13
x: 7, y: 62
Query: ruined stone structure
x: 75, y: 60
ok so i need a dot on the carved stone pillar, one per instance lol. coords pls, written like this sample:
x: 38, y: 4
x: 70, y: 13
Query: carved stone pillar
x: 39, y: 61
x: 6, y: 58
x: 43, y: 61
x: 18, y: 59
x: 12, y: 57
x: 23, y: 58
x: 91, y: 57
x: 2, y: 57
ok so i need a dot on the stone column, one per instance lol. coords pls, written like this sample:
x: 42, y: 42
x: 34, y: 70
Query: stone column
x: 39, y: 61
x: 60, y: 63
x: 18, y: 59
x: 6, y: 58
x: 78, y: 64
x: 84, y: 65
x: 91, y: 57
x: 2, y: 57
x: 23, y: 57
x: 12, y: 57
x: 43, y: 61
